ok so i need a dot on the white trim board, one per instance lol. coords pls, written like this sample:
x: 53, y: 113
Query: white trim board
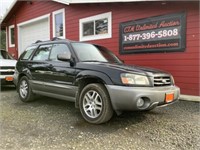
x: 33, y: 20
x: 107, y: 15
x: 102, y: 1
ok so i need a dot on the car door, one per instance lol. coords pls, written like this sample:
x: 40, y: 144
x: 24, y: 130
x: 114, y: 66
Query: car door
x: 39, y: 68
x: 62, y: 73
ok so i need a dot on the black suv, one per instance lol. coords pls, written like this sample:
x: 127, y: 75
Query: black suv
x: 92, y: 77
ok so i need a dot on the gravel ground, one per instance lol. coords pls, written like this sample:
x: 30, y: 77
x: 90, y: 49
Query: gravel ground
x: 50, y: 124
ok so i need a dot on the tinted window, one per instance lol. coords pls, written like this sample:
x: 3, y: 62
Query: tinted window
x: 88, y: 52
x: 5, y: 55
x: 26, y: 55
x: 42, y: 53
x: 58, y: 49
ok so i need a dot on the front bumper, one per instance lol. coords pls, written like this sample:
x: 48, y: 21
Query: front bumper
x: 125, y: 98
x: 15, y: 78
x: 6, y: 79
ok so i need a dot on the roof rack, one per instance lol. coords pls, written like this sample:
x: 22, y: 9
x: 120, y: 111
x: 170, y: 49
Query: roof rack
x: 38, y: 41
x: 53, y: 39
x: 56, y: 38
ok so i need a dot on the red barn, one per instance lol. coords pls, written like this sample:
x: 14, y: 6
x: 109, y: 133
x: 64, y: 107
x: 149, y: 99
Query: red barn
x: 159, y: 34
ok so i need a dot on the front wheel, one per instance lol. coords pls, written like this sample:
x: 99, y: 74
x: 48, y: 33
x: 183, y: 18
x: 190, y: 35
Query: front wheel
x: 24, y: 90
x: 95, y: 105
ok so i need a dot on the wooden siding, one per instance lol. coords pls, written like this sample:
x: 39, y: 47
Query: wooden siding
x: 184, y: 66
x: 27, y: 12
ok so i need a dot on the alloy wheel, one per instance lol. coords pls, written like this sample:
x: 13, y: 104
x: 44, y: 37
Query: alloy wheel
x: 92, y: 104
x: 23, y: 89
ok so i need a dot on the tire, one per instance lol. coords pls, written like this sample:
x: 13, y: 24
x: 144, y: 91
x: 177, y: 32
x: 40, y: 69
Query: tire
x: 149, y: 110
x: 95, y: 105
x: 24, y: 90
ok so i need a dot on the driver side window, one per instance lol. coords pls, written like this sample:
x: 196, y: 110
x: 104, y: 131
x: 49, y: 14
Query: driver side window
x: 58, y: 49
x: 42, y: 53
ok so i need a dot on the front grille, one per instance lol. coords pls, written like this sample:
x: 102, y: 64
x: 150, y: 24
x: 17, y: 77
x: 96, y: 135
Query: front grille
x: 7, y: 67
x: 7, y: 73
x: 7, y: 70
x: 162, y: 80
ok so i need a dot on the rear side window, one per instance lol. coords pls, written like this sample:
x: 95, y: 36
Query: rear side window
x: 42, y: 53
x: 28, y: 52
x: 58, y: 49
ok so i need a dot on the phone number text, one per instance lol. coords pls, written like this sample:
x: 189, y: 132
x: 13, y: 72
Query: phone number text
x: 151, y: 35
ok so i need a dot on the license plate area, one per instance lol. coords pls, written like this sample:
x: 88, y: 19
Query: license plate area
x: 169, y: 97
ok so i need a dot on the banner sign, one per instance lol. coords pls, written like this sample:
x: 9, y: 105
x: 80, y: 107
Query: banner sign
x: 156, y: 34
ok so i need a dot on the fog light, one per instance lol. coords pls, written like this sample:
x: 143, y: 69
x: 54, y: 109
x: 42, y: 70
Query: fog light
x: 9, y: 78
x: 140, y: 102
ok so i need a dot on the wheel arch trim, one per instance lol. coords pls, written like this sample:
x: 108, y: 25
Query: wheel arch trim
x: 84, y: 75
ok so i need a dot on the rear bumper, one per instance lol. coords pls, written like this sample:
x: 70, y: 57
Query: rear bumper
x: 125, y: 98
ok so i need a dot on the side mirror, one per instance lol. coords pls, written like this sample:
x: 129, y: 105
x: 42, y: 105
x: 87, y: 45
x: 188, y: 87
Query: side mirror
x: 64, y: 57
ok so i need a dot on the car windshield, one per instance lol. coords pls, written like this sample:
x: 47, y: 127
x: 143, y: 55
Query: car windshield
x: 92, y: 53
x: 5, y: 55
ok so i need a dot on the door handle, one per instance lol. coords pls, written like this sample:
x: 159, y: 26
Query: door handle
x: 51, y: 66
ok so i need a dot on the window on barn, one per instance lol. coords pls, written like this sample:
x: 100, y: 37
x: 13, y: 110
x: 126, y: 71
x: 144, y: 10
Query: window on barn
x: 11, y: 36
x: 95, y: 27
x: 59, y: 23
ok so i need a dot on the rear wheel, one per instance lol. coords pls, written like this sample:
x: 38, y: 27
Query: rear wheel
x: 95, y: 105
x: 24, y: 90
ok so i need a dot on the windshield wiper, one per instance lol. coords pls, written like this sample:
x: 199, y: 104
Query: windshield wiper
x: 94, y: 61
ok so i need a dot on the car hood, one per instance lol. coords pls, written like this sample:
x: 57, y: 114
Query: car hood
x: 8, y: 62
x: 124, y: 68
x: 135, y: 68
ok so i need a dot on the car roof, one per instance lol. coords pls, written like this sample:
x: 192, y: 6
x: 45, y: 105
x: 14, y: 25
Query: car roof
x: 38, y: 42
x: 57, y: 40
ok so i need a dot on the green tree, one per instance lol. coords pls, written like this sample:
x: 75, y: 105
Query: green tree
x: 2, y: 39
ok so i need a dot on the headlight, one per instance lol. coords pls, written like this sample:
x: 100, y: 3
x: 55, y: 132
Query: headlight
x: 134, y: 79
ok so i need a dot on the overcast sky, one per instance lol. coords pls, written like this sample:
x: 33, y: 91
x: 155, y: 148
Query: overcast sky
x: 4, y: 5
